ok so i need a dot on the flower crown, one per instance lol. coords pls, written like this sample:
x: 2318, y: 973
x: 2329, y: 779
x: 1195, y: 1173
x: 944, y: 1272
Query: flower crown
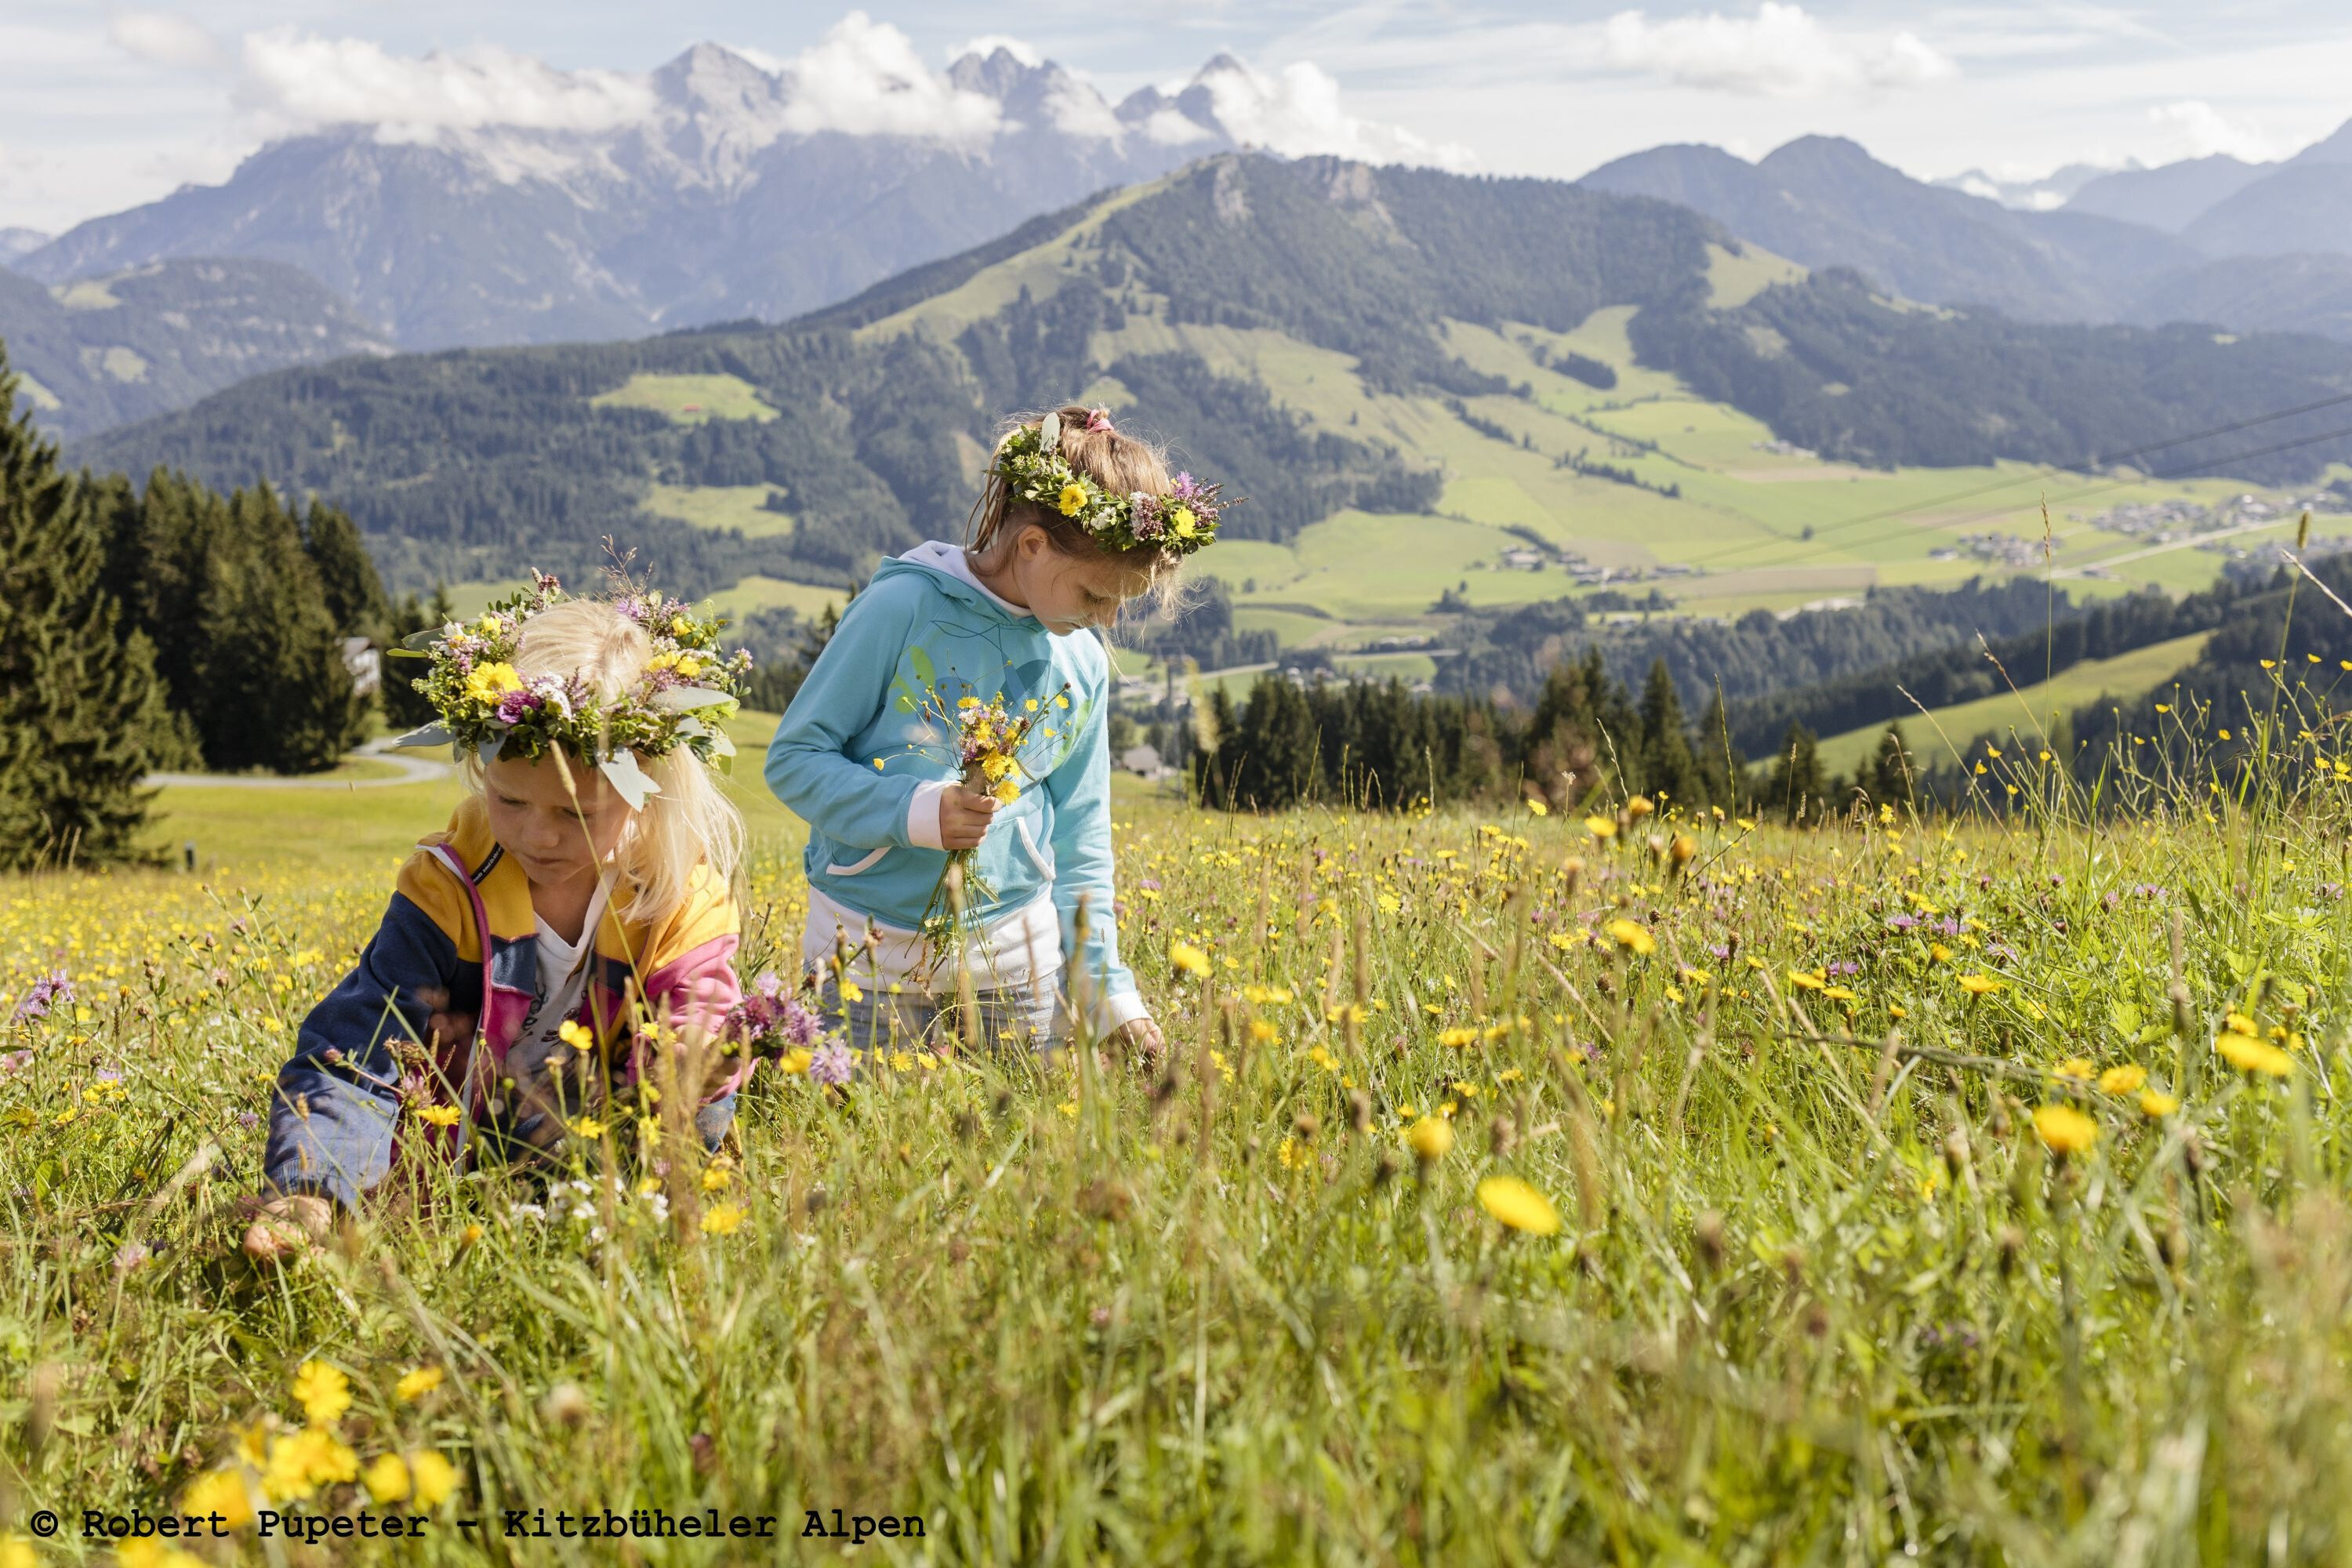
x: 1182, y: 521
x: 688, y: 690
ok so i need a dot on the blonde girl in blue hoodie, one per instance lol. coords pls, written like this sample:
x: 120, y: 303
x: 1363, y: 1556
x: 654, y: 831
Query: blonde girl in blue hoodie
x: 1076, y: 519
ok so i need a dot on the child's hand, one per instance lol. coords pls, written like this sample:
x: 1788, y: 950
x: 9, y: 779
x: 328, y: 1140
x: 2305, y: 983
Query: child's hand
x: 286, y: 1225
x: 965, y: 817
x: 1141, y: 1038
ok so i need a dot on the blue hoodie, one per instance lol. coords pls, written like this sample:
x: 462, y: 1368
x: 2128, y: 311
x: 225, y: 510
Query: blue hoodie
x: 925, y: 633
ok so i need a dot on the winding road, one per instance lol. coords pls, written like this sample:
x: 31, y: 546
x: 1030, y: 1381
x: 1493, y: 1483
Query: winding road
x: 413, y: 771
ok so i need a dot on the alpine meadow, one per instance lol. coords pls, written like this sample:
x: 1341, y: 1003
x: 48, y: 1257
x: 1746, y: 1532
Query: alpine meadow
x: 1718, y: 793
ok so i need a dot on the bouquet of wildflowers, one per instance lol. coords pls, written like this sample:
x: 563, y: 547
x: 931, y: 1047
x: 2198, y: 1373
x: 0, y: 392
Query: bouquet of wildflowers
x: 988, y: 738
x: 772, y: 1022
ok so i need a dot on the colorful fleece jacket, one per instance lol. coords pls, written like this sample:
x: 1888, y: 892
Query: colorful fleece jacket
x: 338, y: 1115
x: 857, y: 758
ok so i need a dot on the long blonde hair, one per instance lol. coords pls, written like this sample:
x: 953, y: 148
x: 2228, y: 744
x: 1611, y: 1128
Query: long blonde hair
x: 691, y: 823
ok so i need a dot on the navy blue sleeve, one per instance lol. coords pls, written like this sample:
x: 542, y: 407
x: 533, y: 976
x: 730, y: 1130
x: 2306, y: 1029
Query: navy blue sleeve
x: 338, y: 1101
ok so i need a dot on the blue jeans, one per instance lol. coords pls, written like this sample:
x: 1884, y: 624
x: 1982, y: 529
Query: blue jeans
x: 912, y: 1019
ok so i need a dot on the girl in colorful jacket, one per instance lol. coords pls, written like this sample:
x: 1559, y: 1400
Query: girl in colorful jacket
x: 574, y: 923
x: 896, y: 752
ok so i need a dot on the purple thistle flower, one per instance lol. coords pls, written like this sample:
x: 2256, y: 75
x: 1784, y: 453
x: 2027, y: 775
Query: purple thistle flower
x: 802, y: 1026
x: 768, y: 985
x: 1902, y: 923
x: 48, y: 990
x: 832, y: 1063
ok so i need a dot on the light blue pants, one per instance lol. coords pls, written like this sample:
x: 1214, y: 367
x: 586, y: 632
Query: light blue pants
x: 911, y: 1019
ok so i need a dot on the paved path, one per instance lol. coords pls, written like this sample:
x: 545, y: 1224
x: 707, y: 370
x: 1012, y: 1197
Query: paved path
x: 414, y: 770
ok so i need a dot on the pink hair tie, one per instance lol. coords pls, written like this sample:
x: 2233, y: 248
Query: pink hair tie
x: 1099, y: 420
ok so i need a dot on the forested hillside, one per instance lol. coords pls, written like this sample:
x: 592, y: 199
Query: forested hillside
x: 859, y: 430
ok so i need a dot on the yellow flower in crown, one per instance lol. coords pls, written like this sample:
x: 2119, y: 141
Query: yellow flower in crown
x: 1182, y: 522
x: 1072, y: 498
x: 489, y: 683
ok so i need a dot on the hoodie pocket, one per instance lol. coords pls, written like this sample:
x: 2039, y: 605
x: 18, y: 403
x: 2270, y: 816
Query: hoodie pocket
x: 1041, y: 858
x: 862, y: 863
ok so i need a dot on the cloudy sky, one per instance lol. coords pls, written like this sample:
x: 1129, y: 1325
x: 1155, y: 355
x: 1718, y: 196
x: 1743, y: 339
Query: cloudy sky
x: 102, y: 107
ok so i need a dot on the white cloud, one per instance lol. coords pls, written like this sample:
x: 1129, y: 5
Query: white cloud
x: 864, y: 79
x: 1779, y: 52
x: 1297, y: 113
x: 164, y: 38
x: 296, y: 80
x: 988, y: 44
x: 2201, y: 130
x: 1170, y: 128
x: 1078, y: 109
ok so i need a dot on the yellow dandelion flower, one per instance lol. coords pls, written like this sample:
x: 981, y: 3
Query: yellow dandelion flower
x: 722, y: 1219
x: 1518, y: 1205
x: 2129, y: 1079
x: 2154, y: 1104
x: 2248, y: 1054
x: 1638, y: 807
x: 1980, y: 984
x: 439, y: 1115
x: 386, y: 1478
x: 1804, y: 982
x: 1632, y: 936
x: 1601, y: 826
x: 1187, y: 958
x: 222, y: 1492
x: 415, y: 1386
x: 1430, y: 1139
x: 2064, y: 1129
x: 432, y: 1477
x: 322, y: 1392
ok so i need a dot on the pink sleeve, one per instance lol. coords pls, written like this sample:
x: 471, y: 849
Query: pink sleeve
x: 694, y: 992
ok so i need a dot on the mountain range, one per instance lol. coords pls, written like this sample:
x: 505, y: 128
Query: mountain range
x: 717, y: 202
x: 2247, y: 247
x: 1353, y: 342
x: 108, y: 351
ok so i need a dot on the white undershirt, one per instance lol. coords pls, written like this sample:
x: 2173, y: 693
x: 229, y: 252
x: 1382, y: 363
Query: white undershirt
x: 563, y: 982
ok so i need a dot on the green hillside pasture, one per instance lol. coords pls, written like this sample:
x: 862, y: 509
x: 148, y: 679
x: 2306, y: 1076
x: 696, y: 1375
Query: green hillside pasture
x: 2028, y: 711
x: 1733, y: 280
x: 689, y: 399
x: 752, y: 595
x: 741, y: 508
x: 1041, y: 269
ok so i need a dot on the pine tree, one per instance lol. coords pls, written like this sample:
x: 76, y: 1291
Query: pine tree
x: 1795, y: 787
x: 404, y: 706
x: 1669, y: 772
x: 272, y: 690
x: 356, y: 599
x: 82, y: 715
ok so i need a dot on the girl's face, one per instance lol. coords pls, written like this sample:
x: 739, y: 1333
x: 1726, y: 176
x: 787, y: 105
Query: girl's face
x: 1062, y: 591
x: 560, y: 835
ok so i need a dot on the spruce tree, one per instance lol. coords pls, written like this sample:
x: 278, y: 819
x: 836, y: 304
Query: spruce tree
x: 81, y: 713
x: 354, y: 596
x: 272, y: 690
x: 404, y: 706
x: 1669, y: 772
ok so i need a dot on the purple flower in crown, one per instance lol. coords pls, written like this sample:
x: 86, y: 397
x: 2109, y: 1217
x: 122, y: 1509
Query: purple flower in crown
x: 1149, y: 519
x: 517, y: 706
x: 1186, y: 488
